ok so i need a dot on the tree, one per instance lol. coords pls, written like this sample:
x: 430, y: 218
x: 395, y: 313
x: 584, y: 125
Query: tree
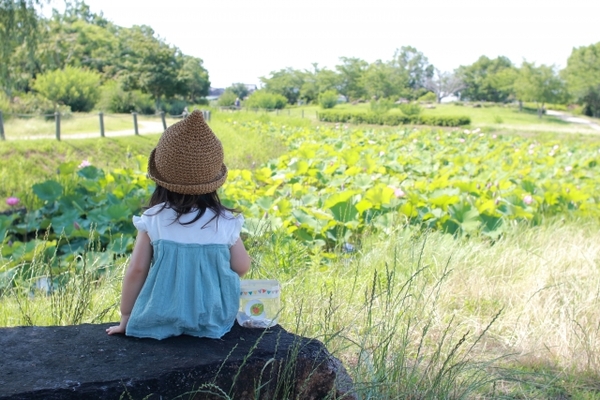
x: 415, y: 65
x: 444, y: 84
x: 351, y: 72
x: 382, y: 80
x: 18, y: 28
x: 193, y: 79
x: 149, y: 64
x: 541, y: 85
x: 286, y: 82
x: 487, y: 79
x: 240, y: 90
x: 582, y: 75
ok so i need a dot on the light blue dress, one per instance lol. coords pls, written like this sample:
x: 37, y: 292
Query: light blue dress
x: 191, y: 288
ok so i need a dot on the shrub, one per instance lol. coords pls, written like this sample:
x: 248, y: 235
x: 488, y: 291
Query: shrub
x: 410, y: 109
x: 391, y: 119
x: 75, y: 87
x: 428, y: 97
x: 227, y: 99
x: 176, y: 107
x: 116, y: 100
x: 381, y: 106
x: 328, y: 99
x: 266, y: 100
x: 29, y: 103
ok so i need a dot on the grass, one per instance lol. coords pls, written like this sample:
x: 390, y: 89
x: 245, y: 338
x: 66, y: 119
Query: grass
x: 411, y: 314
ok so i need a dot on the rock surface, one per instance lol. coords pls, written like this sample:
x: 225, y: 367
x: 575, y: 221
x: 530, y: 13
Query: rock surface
x: 83, y: 362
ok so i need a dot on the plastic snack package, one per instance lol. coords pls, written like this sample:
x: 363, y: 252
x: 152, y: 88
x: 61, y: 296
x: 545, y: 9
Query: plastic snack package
x: 259, y: 303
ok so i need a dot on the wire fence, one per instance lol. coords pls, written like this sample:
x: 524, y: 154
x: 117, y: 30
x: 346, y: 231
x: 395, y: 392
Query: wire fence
x: 58, y: 118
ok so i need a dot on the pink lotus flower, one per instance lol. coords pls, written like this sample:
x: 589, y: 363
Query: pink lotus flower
x: 12, y: 201
x: 399, y: 193
x: 528, y: 199
x: 85, y: 163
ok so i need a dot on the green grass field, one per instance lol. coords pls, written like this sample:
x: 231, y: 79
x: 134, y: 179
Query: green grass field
x: 411, y: 313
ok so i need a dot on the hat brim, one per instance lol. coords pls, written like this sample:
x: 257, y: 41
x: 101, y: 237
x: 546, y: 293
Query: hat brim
x: 202, y: 188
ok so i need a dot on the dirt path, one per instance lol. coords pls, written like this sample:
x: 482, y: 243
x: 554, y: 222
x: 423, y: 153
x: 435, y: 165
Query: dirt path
x: 144, y: 127
x: 575, y: 120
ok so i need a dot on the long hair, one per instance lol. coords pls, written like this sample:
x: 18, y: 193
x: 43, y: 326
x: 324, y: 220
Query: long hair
x: 184, y: 203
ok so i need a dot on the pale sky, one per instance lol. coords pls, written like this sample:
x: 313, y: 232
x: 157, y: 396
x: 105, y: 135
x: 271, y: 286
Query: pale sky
x: 242, y: 40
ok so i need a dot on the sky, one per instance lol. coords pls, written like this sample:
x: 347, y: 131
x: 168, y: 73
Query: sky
x: 243, y: 40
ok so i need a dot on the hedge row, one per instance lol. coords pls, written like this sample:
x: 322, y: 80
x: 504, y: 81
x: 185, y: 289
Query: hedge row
x: 391, y: 119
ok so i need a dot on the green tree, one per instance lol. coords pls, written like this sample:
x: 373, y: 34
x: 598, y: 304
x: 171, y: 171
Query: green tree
x: 149, y: 64
x: 382, y: 80
x: 73, y: 87
x: 582, y: 75
x: 317, y: 82
x: 240, y: 90
x: 541, y: 85
x: 18, y: 29
x: 351, y: 72
x: 286, y: 82
x: 193, y: 81
x: 487, y: 79
x: 415, y: 66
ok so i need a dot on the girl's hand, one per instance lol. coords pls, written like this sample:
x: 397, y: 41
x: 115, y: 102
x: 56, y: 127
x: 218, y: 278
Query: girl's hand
x: 119, y: 329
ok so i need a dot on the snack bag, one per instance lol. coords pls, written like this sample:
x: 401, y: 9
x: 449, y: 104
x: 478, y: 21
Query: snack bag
x: 259, y: 303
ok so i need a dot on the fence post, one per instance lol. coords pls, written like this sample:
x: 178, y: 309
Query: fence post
x: 101, y: 115
x: 57, y: 121
x: 135, y: 124
x: 164, y: 121
x: 2, y: 127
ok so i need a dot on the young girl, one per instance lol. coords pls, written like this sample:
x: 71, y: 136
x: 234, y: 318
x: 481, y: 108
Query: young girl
x: 183, y: 276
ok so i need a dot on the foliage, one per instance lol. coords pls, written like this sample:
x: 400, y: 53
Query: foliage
x: 381, y: 106
x: 193, y: 81
x: 81, y: 200
x: 227, y: 99
x: 74, y: 87
x: 18, y: 29
x: 351, y: 71
x: 539, y: 84
x: 266, y: 100
x: 582, y: 75
x: 285, y: 82
x: 444, y: 84
x: 487, y: 79
x: 381, y: 80
x: 328, y: 99
x: 33, y: 104
x: 410, y: 109
x: 117, y: 100
x: 414, y: 65
x: 391, y: 119
x: 240, y: 90
x: 317, y: 82
x: 428, y: 97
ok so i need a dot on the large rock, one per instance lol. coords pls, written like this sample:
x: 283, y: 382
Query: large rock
x: 83, y: 362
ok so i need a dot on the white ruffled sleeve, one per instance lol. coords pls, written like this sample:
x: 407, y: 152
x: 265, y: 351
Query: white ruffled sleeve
x: 140, y: 223
x: 236, y: 228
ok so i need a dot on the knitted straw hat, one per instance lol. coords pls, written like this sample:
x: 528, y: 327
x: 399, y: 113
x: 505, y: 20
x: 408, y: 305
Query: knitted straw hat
x: 188, y: 158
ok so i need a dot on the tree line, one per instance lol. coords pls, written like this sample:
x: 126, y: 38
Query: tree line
x: 81, y: 60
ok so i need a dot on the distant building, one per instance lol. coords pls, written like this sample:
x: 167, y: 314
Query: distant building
x: 214, y: 93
